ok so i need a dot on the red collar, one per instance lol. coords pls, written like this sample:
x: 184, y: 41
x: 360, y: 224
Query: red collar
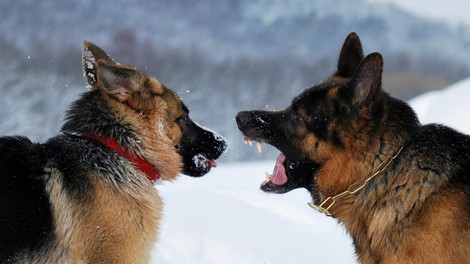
x: 143, y: 165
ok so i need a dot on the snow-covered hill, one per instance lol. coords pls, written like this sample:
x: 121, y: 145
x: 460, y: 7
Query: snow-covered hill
x: 229, y: 29
x: 449, y: 106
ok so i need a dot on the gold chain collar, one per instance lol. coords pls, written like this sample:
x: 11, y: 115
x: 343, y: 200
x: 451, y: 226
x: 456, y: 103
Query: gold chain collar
x: 325, y: 206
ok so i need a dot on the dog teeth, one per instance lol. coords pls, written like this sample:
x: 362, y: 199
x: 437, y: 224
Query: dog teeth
x: 259, y: 146
x: 268, y: 177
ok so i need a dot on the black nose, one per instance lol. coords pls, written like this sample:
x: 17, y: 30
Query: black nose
x: 243, y: 118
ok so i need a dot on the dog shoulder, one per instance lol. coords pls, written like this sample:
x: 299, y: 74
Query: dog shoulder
x: 445, y: 150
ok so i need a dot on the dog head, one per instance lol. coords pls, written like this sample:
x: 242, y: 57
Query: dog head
x: 152, y: 115
x: 321, y: 125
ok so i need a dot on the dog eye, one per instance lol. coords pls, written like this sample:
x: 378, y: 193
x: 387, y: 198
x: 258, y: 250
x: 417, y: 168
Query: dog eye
x: 297, y: 118
x: 184, y: 118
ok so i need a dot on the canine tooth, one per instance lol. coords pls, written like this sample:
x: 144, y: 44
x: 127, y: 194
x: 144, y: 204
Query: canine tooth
x: 268, y: 176
x: 259, y: 146
x: 250, y: 143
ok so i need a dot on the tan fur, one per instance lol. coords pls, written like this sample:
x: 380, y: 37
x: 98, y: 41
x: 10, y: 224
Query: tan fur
x: 156, y: 128
x: 336, y: 80
x: 105, y: 236
x: 409, y: 199
x: 433, y: 240
x: 375, y: 225
x: 332, y: 93
x: 120, y: 225
x: 110, y: 226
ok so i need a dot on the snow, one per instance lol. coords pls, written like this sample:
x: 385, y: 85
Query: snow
x: 223, y: 217
x: 447, y: 106
x: 200, y: 161
x: 89, y: 61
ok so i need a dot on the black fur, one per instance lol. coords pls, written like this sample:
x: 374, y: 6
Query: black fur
x: 25, y: 221
x: 91, y: 114
x: 198, y: 143
x: 280, y: 129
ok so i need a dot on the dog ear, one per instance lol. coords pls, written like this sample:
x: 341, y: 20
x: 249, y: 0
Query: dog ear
x: 367, y: 82
x: 350, y: 56
x: 91, y: 54
x: 119, y: 81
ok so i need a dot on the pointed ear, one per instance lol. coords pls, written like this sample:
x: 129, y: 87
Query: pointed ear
x: 117, y: 80
x: 367, y: 82
x: 91, y: 54
x: 350, y: 56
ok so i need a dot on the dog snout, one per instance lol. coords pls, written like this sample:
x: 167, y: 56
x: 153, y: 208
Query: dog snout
x: 243, y: 119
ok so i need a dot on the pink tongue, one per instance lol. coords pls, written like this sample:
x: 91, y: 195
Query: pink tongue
x: 279, y: 173
x: 212, y: 163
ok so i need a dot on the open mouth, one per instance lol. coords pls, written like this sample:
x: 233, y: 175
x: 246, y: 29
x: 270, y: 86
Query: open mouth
x: 278, y: 181
x: 286, y: 175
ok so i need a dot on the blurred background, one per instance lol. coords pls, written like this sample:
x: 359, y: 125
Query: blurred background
x: 219, y: 56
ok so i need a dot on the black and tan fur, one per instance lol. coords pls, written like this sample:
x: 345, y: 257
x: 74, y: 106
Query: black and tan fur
x: 73, y: 199
x: 417, y: 210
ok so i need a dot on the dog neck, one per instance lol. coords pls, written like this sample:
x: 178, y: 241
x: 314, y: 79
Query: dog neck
x: 328, y: 203
x: 143, y: 165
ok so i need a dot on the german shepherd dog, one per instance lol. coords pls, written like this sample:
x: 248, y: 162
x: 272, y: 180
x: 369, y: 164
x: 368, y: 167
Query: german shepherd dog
x: 401, y: 189
x: 86, y: 195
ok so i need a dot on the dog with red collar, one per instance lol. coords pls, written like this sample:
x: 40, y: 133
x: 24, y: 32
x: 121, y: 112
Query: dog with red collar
x: 87, y: 195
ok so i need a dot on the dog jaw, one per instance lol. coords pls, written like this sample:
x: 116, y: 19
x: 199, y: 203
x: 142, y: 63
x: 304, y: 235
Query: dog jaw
x: 287, y: 175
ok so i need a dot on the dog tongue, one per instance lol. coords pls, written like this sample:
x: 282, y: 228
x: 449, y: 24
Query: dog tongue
x: 212, y: 163
x: 279, y: 176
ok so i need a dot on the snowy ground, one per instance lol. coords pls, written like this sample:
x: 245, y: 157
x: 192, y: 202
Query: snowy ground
x: 224, y: 217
